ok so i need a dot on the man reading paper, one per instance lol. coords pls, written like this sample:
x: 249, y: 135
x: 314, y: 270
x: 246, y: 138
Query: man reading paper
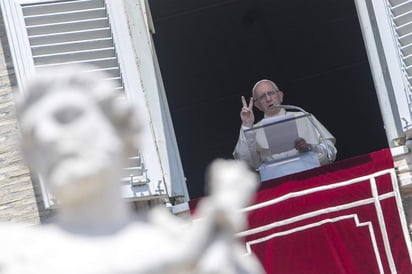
x: 253, y: 145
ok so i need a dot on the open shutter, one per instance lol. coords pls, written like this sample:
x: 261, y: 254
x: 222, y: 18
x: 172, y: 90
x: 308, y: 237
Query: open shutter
x: 400, y: 13
x: 54, y: 33
x: 67, y: 32
x: 400, y: 18
x: 387, y: 31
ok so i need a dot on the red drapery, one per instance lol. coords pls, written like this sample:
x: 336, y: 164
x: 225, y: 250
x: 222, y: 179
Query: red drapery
x: 346, y: 217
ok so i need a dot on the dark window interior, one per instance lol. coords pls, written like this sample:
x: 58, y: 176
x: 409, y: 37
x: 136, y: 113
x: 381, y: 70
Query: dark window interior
x: 212, y: 51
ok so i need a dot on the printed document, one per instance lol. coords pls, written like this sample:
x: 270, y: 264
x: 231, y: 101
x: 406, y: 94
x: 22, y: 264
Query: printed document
x: 281, y: 132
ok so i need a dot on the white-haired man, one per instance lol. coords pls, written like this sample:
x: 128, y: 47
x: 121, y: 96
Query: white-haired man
x: 252, y: 145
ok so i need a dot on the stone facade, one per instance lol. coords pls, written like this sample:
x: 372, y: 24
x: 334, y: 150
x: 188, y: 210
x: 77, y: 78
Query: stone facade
x: 20, y: 198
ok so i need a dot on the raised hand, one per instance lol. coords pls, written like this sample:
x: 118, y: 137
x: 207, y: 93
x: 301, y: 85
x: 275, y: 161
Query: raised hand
x: 246, y: 114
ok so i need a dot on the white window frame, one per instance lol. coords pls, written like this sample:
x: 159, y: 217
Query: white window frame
x: 133, y: 81
x: 141, y: 29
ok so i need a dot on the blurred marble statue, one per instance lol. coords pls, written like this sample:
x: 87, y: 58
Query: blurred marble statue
x: 77, y: 133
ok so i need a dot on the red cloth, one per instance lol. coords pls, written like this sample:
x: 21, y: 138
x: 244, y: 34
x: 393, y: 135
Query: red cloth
x: 322, y: 221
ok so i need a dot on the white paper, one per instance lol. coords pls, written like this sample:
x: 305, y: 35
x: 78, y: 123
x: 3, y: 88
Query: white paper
x: 281, y: 132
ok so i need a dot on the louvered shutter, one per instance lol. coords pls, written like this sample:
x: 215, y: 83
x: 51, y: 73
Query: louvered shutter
x: 72, y: 32
x: 82, y: 31
x: 400, y: 16
x: 387, y: 31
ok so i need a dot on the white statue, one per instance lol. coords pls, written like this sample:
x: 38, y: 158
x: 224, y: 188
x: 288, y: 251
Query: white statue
x: 77, y: 133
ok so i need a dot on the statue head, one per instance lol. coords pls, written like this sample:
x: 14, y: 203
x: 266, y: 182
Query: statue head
x: 76, y: 130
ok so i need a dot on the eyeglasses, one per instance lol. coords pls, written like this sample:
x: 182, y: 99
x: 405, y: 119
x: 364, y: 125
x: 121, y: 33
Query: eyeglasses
x: 262, y: 97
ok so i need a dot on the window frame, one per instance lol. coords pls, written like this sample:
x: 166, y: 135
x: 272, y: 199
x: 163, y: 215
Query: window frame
x: 387, y: 68
x: 161, y: 183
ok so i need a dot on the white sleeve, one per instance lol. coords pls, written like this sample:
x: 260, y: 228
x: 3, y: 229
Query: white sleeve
x: 246, y: 148
x: 323, y: 149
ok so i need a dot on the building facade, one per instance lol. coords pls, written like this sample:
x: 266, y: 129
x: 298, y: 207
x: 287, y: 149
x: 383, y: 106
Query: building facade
x: 21, y: 197
x: 31, y: 38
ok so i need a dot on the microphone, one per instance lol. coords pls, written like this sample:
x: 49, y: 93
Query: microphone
x: 312, y: 120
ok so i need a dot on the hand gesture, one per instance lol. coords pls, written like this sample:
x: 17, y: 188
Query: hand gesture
x: 302, y: 146
x: 246, y: 114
